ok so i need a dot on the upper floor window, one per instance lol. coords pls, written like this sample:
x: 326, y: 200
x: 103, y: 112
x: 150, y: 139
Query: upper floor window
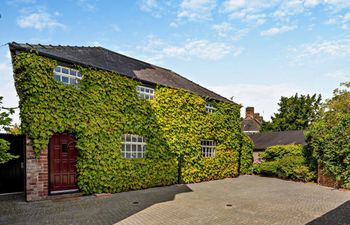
x: 209, y: 108
x: 145, y: 92
x: 133, y: 146
x: 67, y: 75
x: 208, y: 148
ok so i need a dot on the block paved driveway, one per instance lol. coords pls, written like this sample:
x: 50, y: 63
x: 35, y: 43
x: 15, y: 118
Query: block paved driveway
x: 243, y: 200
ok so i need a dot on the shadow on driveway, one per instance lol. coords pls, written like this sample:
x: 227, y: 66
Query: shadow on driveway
x: 337, y: 216
x: 85, y: 210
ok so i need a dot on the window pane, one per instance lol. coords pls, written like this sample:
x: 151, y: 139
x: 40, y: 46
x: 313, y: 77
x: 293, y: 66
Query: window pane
x: 127, y: 155
x: 134, y: 139
x: 128, y: 138
x: 65, y: 80
x: 65, y: 70
x: 72, y: 81
x: 57, y: 77
x: 127, y: 148
x: 58, y: 69
x: 133, y: 155
x: 73, y: 72
x: 139, y: 139
x: 79, y: 74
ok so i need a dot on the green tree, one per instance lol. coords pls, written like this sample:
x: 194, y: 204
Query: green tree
x: 329, y: 136
x: 294, y: 113
x: 5, y: 124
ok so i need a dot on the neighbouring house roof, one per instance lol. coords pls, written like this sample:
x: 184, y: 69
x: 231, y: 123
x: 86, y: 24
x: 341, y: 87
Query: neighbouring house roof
x: 108, y: 60
x: 250, y: 125
x: 264, y: 140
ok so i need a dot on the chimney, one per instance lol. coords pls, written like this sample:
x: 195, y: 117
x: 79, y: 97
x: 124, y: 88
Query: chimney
x: 249, y: 112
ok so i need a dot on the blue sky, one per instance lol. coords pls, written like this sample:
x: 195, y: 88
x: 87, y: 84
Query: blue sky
x: 253, y: 50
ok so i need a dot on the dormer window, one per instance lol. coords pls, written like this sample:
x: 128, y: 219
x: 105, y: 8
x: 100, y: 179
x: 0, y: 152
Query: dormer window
x: 67, y: 75
x: 209, y: 108
x: 145, y: 92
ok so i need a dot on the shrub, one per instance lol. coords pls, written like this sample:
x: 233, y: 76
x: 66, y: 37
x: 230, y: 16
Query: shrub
x: 285, y: 161
x: 329, y: 137
x: 4, y: 155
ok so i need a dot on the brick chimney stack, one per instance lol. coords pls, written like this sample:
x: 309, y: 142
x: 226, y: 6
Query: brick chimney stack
x: 249, y: 112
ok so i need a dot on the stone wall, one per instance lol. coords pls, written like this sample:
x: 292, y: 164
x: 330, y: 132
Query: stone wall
x: 37, y: 174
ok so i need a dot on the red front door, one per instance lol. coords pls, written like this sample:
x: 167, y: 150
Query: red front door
x: 63, y: 158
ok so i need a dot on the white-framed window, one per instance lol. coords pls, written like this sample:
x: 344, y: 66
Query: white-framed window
x: 67, y: 75
x: 145, y: 92
x: 133, y: 146
x: 209, y: 108
x: 208, y: 148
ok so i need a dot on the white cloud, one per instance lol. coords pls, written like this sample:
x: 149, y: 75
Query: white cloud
x: 148, y: 5
x: 202, y: 49
x: 39, y: 20
x: 222, y: 29
x: 340, y: 20
x: 320, y: 51
x: 263, y: 97
x: 231, y: 5
x: 157, y: 49
x: 311, y: 3
x: 277, y: 30
x: 331, y: 48
x: 259, y: 11
x: 196, y: 9
x: 87, y: 5
x: 338, y: 4
x: 156, y: 8
x: 248, y: 11
x: 289, y: 8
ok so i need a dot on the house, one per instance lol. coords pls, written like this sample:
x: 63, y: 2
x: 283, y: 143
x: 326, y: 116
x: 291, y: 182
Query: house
x: 97, y: 121
x: 252, y: 122
x: 267, y: 139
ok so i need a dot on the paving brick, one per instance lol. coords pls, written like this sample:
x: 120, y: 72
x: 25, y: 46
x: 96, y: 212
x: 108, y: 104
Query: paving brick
x: 245, y: 200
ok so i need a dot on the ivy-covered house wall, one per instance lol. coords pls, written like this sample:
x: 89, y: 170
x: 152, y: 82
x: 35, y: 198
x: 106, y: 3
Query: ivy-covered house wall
x: 105, y: 105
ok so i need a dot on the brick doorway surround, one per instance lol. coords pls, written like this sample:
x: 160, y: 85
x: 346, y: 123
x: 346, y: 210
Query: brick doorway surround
x: 37, y: 174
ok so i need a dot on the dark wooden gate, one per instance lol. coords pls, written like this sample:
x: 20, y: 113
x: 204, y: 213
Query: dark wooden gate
x: 12, y: 172
x: 63, y: 158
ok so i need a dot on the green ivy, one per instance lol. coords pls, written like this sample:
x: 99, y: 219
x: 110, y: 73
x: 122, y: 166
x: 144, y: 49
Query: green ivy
x: 105, y: 105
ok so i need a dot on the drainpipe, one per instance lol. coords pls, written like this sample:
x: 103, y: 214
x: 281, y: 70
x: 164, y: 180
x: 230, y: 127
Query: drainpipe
x: 179, y: 165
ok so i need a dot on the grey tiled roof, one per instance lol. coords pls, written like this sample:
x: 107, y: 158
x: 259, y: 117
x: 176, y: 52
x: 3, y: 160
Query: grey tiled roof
x: 250, y: 124
x: 267, y: 139
x: 105, y: 59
